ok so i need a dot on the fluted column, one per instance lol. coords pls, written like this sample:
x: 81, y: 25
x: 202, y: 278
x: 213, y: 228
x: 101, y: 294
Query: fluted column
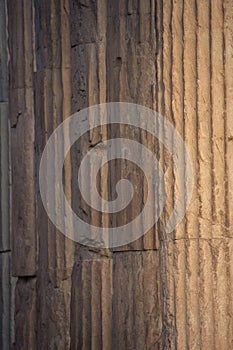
x: 196, y: 260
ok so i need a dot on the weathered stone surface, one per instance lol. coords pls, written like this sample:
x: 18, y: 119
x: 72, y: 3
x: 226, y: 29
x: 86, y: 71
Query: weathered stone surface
x: 197, y: 293
x: 7, y: 301
x: 53, y: 100
x: 6, y: 281
x: 53, y: 320
x: 25, y: 314
x: 3, y: 53
x: 21, y: 112
x: 91, y: 302
x: 196, y: 258
x: 164, y: 291
x: 115, y: 301
x: 137, y: 320
x: 5, y: 295
x: 5, y: 179
x: 4, y: 135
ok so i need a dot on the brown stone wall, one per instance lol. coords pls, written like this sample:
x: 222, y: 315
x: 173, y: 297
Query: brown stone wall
x: 164, y: 291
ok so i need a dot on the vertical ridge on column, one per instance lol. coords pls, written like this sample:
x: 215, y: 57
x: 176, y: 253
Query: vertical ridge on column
x: 204, y: 117
x: 191, y: 131
x: 22, y: 135
x: 6, y: 333
x: 66, y: 112
x: 53, y: 105
x: 22, y: 120
x: 177, y: 105
x: 218, y: 124
x: 228, y: 32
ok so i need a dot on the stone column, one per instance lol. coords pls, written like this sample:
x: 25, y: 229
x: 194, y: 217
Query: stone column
x: 163, y: 291
x: 195, y: 94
